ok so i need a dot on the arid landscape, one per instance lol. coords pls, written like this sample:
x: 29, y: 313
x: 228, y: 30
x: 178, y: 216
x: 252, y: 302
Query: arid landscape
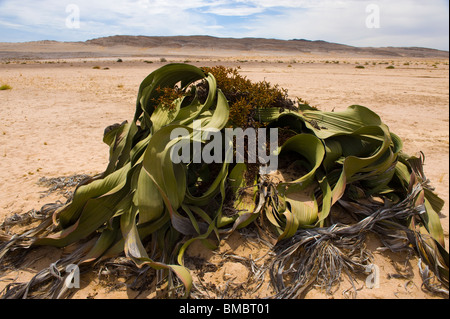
x: 59, y: 97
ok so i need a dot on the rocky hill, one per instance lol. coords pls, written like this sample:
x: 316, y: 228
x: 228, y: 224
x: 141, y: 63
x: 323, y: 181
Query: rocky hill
x: 260, y: 44
x: 205, y: 46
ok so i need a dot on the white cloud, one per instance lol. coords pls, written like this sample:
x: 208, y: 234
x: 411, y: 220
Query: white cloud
x: 237, y: 11
x: 403, y: 22
x: 101, y: 18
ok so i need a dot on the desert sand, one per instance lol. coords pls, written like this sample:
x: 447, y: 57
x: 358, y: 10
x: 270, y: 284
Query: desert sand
x: 52, y: 121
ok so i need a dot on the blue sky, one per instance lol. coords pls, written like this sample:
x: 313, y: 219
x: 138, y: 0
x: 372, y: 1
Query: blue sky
x: 400, y: 22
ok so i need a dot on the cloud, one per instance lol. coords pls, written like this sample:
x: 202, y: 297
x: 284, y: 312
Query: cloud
x: 237, y: 11
x: 402, y: 22
x: 102, y: 18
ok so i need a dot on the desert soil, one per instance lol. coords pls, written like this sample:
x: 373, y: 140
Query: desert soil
x: 52, y: 122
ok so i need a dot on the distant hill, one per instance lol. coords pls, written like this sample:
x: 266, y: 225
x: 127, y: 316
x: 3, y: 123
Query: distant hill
x: 261, y: 44
x: 206, y: 46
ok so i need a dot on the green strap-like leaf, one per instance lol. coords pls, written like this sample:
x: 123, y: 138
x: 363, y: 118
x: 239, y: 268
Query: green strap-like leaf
x: 312, y: 149
x: 327, y: 124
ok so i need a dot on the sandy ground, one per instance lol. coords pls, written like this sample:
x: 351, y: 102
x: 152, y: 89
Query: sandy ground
x: 52, y: 122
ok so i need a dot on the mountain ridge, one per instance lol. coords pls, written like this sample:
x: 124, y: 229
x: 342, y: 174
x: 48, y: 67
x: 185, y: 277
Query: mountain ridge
x: 262, y: 44
x: 200, y: 45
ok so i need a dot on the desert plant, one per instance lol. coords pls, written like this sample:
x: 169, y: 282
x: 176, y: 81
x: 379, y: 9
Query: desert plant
x: 5, y: 87
x: 390, y: 67
x: 360, y: 67
x: 349, y: 158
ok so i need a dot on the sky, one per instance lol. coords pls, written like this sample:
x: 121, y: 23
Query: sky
x: 375, y: 23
